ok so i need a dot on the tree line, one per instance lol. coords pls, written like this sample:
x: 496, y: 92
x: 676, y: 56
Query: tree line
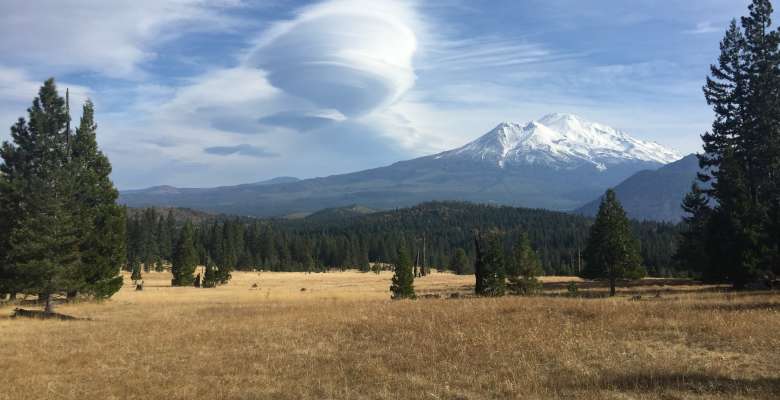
x: 435, y: 234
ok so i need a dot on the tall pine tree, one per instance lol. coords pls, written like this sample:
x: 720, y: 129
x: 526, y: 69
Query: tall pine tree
x: 185, y: 257
x: 741, y: 160
x: 490, y: 265
x: 460, y: 262
x: 39, y: 242
x: 524, y: 267
x: 100, y: 221
x: 694, y: 241
x: 612, y: 251
x: 403, y: 278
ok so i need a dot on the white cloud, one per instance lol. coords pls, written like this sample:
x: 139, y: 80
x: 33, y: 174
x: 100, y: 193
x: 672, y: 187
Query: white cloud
x: 703, y: 28
x: 221, y: 88
x: 350, y: 56
x: 478, y: 54
x: 110, y: 37
x: 18, y: 89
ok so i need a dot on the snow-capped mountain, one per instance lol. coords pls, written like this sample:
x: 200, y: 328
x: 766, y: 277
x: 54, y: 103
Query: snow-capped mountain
x: 561, y: 141
x: 558, y: 162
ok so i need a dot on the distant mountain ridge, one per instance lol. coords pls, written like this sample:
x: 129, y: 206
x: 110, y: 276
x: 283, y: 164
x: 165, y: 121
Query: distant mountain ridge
x: 654, y: 194
x: 558, y: 162
x: 274, y: 181
x: 167, y: 189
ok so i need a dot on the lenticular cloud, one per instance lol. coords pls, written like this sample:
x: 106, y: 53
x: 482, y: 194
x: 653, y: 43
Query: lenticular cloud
x: 348, y: 56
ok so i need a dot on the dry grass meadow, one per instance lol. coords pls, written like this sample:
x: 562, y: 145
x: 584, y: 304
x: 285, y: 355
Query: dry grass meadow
x: 342, y: 338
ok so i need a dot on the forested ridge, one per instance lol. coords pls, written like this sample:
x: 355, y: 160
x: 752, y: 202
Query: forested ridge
x: 435, y: 230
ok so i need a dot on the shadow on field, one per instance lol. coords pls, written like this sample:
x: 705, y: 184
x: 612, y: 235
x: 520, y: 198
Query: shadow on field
x: 764, y: 306
x: 636, y: 284
x: 762, y: 388
x: 645, y: 288
x: 751, y: 293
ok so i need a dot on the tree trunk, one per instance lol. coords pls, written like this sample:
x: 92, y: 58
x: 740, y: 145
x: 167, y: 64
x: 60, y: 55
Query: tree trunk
x: 611, y: 287
x: 49, y: 307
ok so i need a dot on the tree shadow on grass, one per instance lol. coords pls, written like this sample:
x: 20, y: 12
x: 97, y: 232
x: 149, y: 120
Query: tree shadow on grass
x: 647, y: 289
x: 761, y: 388
x: 738, y: 307
x: 580, y: 295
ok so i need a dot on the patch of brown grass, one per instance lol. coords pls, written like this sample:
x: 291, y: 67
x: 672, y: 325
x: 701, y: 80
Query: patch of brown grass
x: 343, y: 338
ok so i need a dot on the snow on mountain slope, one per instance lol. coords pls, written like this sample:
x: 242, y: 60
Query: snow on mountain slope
x: 561, y: 141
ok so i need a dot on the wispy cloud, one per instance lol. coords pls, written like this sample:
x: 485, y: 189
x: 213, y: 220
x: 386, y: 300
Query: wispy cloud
x: 479, y: 54
x: 704, y: 27
x: 241, y: 149
x: 17, y: 89
x: 113, y: 38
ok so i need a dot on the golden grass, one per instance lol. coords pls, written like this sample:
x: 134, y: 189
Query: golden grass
x: 342, y: 338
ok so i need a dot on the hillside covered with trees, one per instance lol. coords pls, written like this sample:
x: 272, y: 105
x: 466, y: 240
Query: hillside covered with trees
x: 433, y: 232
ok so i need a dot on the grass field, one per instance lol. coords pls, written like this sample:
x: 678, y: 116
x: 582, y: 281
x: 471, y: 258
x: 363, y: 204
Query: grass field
x: 342, y: 338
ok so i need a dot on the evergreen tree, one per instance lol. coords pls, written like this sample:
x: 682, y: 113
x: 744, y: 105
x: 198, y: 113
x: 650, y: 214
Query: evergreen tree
x: 185, y: 258
x: 165, y: 236
x: 741, y: 160
x: 210, y: 279
x: 493, y: 266
x: 693, y: 249
x: 612, y: 251
x: 364, y: 264
x: 135, y: 266
x: 460, y: 262
x: 479, y: 265
x: 40, y: 243
x: 524, y: 268
x: 44, y: 245
x: 100, y: 221
x: 403, y: 278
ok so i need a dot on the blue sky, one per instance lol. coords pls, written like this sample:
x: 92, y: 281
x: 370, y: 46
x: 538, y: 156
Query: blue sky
x: 206, y: 93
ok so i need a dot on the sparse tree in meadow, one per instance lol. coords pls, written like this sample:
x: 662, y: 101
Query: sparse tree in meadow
x: 403, y: 278
x: 490, y: 265
x: 209, y: 275
x: 364, y: 264
x: 495, y: 263
x: 185, y: 257
x: 135, y: 266
x: 524, y: 268
x: 460, y: 262
x: 612, y: 251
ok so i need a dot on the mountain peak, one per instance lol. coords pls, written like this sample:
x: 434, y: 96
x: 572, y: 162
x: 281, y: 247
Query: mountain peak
x: 553, y: 118
x: 561, y: 141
